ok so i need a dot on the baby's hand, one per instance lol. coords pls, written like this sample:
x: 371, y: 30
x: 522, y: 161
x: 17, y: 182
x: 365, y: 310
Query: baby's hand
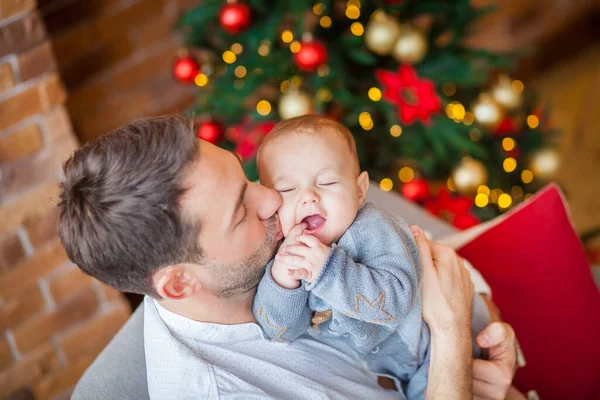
x: 304, y: 258
x: 280, y: 271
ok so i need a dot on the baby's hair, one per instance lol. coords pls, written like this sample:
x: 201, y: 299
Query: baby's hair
x: 312, y: 125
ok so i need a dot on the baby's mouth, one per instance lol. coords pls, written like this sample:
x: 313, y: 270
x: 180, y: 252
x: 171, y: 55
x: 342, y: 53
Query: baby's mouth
x: 314, y: 222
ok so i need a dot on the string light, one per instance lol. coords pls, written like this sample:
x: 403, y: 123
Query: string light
x: 526, y: 176
x: 469, y: 118
x: 295, y: 46
x: 263, y: 107
x: 533, y: 121
x: 287, y: 36
x: 201, y: 80
x: 324, y: 94
x: 323, y: 70
x: 365, y: 121
x: 240, y: 71
x: 352, y: 12
x: 509, y: 164
x: 459, y: 112
x: 285, y: 85
x: 396, y: 130
x: 449, y: 89
x: 296, y: 81
x: 456, y: 111
x: 229, y: 57
x: 518, y: 86
x: 482, y: 200
x: 357, y: 29
x: 406, y: 174
x: 494, y: 195
x: 264, y: 49
x: 318, y: 8
x: 517, y: 191
x: 508, y: 144
x: 325, y: 21
x: 504, y: 200
x: 386, y: 184
x: 237, y: 48
x: 375, y: 94
x: 483, y: 189
x: 475, y: 134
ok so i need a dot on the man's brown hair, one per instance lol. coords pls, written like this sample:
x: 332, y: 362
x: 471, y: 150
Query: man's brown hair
x: 120, y: 217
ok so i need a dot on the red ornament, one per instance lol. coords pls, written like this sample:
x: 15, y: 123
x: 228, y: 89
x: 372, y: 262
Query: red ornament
x: 249, y: 136
x: 211, y: 131
x: 235, y: 17
x: 312, y: 54
x: 507, y: 127
x: 416, y: 190
x: 416, y: 98
x: 186, y: 69
x: 454, y: 209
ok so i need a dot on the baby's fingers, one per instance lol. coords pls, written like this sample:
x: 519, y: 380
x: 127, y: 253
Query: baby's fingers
x: 299, y: 274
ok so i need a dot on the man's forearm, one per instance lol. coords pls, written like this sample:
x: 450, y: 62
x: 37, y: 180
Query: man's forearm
x: 451, y: 373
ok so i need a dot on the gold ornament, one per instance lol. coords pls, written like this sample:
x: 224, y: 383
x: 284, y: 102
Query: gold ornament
x: 505, y: 95
x: 294, y: 103
x: 468, y: 175
x: 381, y: 33
x: 411, y: 47
x: 544, y: 163
x: 487, y: 112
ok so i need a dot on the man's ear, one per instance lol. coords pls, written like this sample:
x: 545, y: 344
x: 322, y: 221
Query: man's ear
x: 362, y: 183
x: 176, y: 282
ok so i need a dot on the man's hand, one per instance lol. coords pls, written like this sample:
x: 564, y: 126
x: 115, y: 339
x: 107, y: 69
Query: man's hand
x: 492, y: 378
x: 305, y: 258
x: 279, y: 269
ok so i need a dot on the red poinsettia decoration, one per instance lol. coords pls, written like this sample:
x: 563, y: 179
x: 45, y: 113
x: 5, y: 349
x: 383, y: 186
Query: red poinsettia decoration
x: 416, y: 98
x: 454, y: 209
x: 248, y: 136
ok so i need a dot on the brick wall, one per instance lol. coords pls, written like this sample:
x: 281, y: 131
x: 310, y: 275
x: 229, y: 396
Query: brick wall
x: 115, y: 58
x: 54, y: 319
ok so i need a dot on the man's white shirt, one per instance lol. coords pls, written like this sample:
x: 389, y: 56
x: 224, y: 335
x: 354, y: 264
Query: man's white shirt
x: 187, y: 359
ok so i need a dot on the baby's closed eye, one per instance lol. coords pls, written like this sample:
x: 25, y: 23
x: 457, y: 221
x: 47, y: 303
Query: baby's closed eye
x: 286, y: 190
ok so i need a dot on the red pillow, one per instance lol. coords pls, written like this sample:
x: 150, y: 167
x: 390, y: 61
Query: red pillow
x: 541, y: 281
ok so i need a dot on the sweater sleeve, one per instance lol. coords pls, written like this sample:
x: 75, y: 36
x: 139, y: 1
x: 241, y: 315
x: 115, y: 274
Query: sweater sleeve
x: 381, y: 285
x: 282, y: 313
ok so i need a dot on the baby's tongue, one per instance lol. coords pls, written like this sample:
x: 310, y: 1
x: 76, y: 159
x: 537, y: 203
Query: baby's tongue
x: 314, y: 221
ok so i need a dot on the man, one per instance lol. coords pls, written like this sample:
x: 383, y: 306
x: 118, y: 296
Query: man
x: 151, y: 209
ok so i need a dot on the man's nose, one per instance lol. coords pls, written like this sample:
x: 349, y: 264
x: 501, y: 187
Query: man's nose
x: 310, y: 196
x: 269, y: 202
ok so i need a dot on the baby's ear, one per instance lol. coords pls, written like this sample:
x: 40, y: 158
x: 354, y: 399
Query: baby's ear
x: 362, y: 183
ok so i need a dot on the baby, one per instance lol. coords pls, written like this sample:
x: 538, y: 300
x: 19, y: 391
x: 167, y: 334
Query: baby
x: 348, y: 274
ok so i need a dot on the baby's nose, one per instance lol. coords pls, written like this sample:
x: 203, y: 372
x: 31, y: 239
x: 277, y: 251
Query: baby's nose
x: 310, y: 196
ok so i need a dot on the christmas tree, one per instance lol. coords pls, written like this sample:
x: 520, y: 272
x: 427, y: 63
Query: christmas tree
x: 442, y: 123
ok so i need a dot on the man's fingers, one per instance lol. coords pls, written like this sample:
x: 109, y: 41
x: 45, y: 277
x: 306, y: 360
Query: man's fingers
x: 495, y: 334
x: 424, y: 250
x: 309, y: 240
x: 487, y: 391
x: 491, y: 373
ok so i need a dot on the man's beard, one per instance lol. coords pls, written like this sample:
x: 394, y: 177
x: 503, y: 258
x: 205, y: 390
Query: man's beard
x: 239, y: 278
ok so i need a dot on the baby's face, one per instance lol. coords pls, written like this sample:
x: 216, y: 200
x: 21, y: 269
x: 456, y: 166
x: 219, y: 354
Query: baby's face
x: 316, y: 176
